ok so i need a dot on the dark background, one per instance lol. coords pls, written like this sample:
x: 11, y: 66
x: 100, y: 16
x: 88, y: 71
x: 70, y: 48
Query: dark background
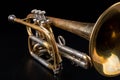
x: 15, y: 60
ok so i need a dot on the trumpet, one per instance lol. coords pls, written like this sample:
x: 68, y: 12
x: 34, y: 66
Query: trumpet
x: 103, y: 36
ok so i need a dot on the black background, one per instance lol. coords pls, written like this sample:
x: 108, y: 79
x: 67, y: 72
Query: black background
x: 15, y: 60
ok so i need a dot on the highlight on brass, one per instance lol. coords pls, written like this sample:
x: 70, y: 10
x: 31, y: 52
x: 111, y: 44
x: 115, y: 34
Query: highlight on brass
x: 103, y: 36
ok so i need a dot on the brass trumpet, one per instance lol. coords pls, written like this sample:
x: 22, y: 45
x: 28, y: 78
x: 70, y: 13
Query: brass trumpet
x: 103, y: 36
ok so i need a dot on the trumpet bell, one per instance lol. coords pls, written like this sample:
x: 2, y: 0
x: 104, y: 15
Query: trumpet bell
x: 105, y: 42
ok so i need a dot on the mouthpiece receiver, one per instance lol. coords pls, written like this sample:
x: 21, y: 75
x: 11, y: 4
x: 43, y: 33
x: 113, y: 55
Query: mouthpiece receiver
x: 11, y: 17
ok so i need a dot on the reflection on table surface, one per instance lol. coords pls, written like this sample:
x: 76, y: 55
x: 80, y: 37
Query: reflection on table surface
x: 29, y: 69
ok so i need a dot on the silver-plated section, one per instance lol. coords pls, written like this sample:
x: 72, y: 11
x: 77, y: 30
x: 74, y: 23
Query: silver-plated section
x: 75, y: 60
x: 61, y: 40
x: 80, y: 58
x: 11, y: 17
x: 40, y: 41
x: 39, y: 16
x: 39, y: 59
x: 72, y: 51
